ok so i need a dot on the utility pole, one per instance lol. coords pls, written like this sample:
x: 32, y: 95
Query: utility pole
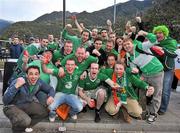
x: 64, y: 13
x: 114, y: 11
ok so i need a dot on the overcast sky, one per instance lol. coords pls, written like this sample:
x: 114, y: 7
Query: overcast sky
x: 28, y: 10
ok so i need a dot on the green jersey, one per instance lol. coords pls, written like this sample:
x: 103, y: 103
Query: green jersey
x: 68, y: 83
x: 81, y: 65
x: 77, y: 42
x: 52, y: 46
x: 127, y: 81
x: 92, y: 84
x: 58, y: 55
x: 113, y: 51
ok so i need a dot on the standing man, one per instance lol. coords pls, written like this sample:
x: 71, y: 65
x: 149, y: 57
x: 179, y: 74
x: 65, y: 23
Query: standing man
x: 15, y: 49
x: 150, y: 66
x: 168, y: 46
x: 21, y: 105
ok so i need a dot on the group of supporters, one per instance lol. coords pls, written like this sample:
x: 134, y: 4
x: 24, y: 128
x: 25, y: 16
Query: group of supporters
x: 132, y: 73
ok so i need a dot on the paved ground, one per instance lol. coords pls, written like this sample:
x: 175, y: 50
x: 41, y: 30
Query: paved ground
x: 170, y: 122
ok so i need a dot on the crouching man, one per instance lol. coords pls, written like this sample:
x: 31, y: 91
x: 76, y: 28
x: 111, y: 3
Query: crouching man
x: 90, y: 89
x: 66, y: 89
x: 21, y: 105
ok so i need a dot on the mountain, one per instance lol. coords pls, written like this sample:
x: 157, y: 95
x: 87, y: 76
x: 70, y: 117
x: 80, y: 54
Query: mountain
x: 54, y: 16
x: 123, y: 10
x: 4, y: 24
x: 52, y: 23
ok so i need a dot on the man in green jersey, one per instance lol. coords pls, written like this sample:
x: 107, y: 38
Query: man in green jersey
x: 77, y: 42
x: 82, y: 60
x: 90, y: 88
x: 150, y: 66
x: 66, y: 90
x: 59, y: 54
x: 127, y: 95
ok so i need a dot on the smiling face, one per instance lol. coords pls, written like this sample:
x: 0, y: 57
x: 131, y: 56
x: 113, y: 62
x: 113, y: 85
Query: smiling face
x: 70, y: 66
x: 94, y: 33
x: 33, y: 75
x: 160, y: 36
x: 94, y: 69
x: 104, y: 33
x: 80, y: 54
x: 68, y: 47
x: 119, y: 70
x: 128, y: 46
x: 85, y: 36
x: 47, y: 55
x: 111, y: 61
x: 109, y: 46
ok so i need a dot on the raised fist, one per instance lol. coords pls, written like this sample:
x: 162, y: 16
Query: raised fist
x: 109, y: 23
x: 138, y: 19
x: 68, y: 26
x: 19, y: 82
x: 73, y: 17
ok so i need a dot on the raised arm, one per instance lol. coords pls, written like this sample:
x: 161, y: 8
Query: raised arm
x: 80, y: 29
x: 12, y: 90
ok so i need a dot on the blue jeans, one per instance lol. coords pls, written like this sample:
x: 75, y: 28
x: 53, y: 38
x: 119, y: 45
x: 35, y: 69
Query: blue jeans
x: 70, y: 99
x: 167, y: 82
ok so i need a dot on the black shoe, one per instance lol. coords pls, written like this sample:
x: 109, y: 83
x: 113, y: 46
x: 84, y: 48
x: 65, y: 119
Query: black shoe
x: 97, y: 116
x: 144, y: 115
x: 161, y: 113
x: 84, y: 110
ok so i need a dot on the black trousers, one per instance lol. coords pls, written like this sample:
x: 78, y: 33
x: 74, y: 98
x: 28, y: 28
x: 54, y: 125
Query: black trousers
x: 25, y: 115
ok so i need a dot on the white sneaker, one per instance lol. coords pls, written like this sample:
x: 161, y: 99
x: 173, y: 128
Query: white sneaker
x: 52, y: 119
x: 74, y: 117
x: 62, y: 129
x: 28, y: 130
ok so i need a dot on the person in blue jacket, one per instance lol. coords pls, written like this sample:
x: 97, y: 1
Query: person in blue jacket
x: 21, y: 105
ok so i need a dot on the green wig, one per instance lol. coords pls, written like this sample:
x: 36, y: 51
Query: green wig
x: 161, y: 28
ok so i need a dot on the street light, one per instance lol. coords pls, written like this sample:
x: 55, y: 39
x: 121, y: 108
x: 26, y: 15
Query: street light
x: 114, y: 11
x: 64, y: 13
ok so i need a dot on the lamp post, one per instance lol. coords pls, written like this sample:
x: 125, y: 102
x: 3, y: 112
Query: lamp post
x: 114, y: 12
x: 64, y: 13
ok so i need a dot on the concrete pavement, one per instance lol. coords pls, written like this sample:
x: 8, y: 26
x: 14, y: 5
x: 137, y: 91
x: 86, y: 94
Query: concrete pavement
x: 170, y: 122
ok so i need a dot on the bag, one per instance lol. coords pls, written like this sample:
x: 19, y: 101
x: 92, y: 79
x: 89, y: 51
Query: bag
x: 63, y: 111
